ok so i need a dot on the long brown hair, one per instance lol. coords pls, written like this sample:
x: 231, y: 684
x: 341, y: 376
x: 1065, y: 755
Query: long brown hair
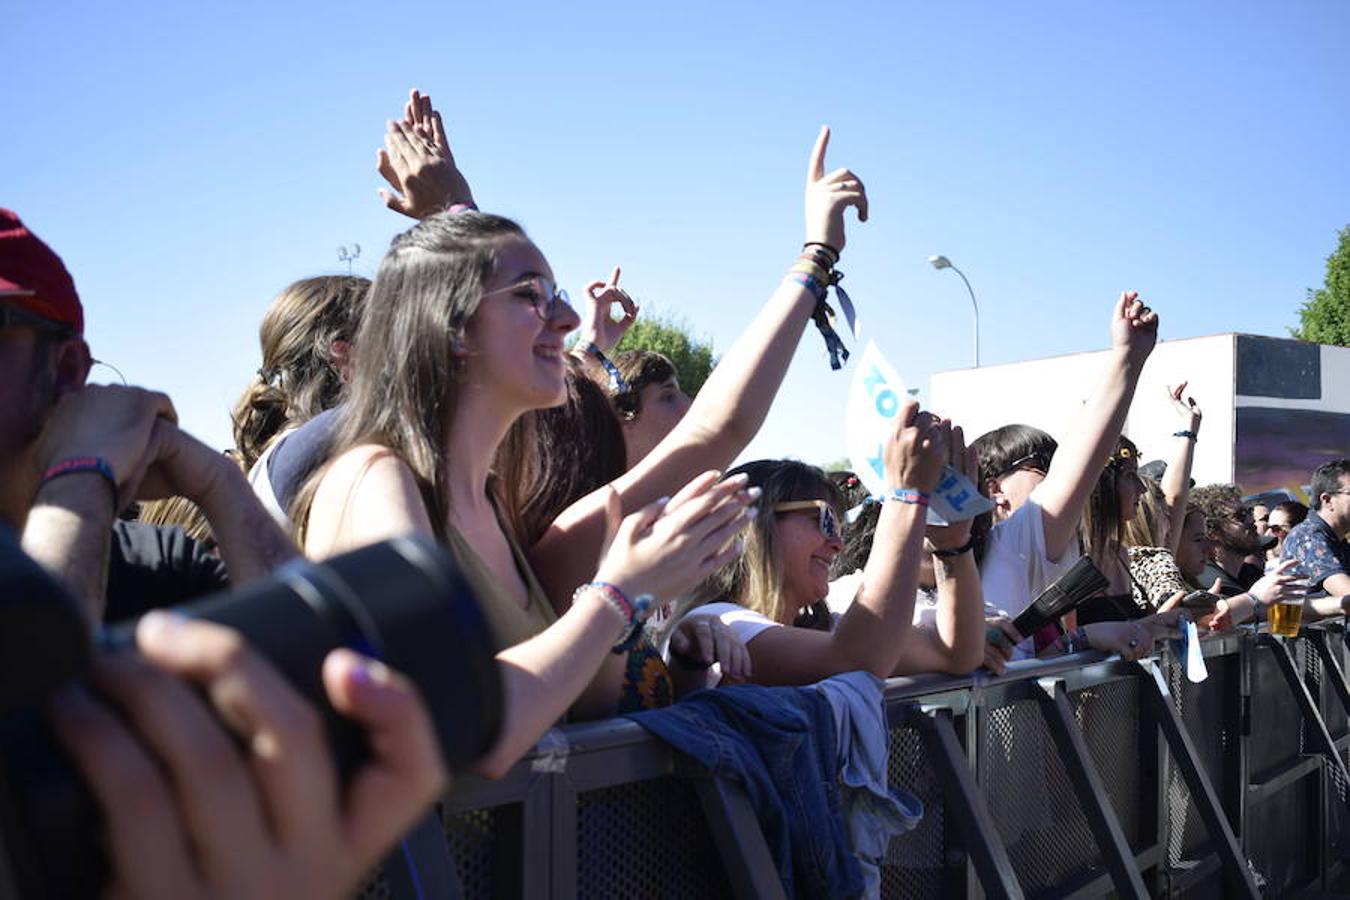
x: 298, y: 378
x: 553, y: 457
x: 1102, y: 528
x: 405, y: 376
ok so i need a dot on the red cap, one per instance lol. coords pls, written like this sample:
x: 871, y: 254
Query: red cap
x: 33, y: 277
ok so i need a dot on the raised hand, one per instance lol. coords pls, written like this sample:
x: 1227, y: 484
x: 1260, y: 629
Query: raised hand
x: 598, y: 325
x: 828, y: 195
x: 1187, y: 410
x: 1134, y: 327
x: 1131, y: 640
x: 965, y: 461
x: 417, y: 163
x: 669, y: 546
x: 915, y: 455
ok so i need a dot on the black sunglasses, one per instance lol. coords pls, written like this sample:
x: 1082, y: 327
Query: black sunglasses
x: 15, y: 316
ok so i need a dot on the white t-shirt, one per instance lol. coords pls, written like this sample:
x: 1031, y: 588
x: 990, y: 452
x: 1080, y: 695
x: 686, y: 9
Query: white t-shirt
x: 1015, y: 569
x: 844, y: 588
x: 745, y: 624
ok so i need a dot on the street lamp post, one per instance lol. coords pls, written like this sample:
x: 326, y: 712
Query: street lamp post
x: 942, y: 262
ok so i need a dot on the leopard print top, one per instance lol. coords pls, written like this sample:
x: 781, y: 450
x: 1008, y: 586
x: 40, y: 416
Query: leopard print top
x: 1154, y: 576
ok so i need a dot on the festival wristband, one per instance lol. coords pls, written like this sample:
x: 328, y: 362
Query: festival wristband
x: 454, y: 208
x: 616, y: 382
x: 76, y: 465
x: 1190, y: 435
x: 909, y: 495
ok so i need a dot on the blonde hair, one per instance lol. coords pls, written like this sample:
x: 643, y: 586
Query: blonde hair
x: 1148, y: 528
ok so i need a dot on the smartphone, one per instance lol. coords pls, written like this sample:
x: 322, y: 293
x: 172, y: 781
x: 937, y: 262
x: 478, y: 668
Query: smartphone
x: 1199, y: 600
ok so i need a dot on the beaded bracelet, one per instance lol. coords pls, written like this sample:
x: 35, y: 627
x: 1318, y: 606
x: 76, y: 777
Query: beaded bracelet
x: 826, y: 248
x: 78, y: 464
x: 632, y: 612
x: 909, y: 495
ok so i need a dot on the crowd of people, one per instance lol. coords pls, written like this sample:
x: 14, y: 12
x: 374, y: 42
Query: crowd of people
x: 587, y: 502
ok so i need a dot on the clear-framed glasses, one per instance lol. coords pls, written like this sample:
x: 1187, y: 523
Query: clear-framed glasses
x: 827, y: 521
x: 540, y: 293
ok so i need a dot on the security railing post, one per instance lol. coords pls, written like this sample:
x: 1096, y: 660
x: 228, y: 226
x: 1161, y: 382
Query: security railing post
x: 1115, y: 849
x: 1203, y: 795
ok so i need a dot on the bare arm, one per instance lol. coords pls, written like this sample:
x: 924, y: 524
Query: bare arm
x: 250, y: 542
x: 1080, y: 458
x: 68, y: 528
x: 1176, y: 482
x: 67, y: 532
x: 733, y: 403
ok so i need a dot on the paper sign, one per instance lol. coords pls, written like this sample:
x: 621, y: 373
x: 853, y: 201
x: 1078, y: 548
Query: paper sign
x: 874, y: 400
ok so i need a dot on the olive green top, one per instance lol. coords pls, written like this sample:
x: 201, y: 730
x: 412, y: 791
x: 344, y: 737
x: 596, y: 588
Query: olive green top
x: 511, y: 624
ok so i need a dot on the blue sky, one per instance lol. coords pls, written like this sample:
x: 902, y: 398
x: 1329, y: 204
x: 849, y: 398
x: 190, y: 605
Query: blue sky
x: 189, y: 161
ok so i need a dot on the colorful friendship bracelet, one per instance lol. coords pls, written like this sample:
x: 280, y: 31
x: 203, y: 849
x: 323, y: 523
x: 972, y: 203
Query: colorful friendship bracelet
x: 76, y: 465
x: 632, y: 612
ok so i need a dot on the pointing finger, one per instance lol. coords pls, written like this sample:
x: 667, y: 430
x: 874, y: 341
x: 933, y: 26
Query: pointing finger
x: 816, y: 169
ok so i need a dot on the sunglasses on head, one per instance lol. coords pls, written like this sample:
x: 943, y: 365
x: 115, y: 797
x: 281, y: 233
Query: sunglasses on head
x: 1036, y: 462
x: 828, y: 522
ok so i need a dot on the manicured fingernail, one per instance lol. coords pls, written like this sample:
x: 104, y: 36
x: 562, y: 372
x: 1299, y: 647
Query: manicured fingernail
x: 370, y: 671
x: 741, y: 478
x: 662, y: 501
x: 752, y: 512
x: 755, y: 492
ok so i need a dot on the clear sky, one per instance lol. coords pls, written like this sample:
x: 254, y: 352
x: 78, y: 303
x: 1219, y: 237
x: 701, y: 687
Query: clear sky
x: 189, y: 160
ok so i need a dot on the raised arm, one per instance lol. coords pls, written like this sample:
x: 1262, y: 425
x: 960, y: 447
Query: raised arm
x: 956, y: 644
x: 872, y: 633
x: 734, y: 401
x: 1176, y: 481
x: 1080, y: 457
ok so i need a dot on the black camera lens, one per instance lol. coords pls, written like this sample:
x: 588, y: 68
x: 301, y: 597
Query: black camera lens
x: 403, y: 602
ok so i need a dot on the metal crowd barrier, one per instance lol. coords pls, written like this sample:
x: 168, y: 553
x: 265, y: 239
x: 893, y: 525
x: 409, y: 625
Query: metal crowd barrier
x: 1080, y: 777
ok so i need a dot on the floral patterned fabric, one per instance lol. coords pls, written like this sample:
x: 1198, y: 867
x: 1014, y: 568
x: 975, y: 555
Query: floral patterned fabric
x: 1319, y: 550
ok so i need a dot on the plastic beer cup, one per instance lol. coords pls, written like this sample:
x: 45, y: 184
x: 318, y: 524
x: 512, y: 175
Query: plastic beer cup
x: 1286, y: 616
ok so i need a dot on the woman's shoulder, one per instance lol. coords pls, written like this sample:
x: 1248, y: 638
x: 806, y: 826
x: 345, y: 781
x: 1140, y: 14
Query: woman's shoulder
x: 366, y: 494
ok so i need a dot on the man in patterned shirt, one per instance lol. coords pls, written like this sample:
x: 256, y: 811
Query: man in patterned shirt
x: 1318, y: 542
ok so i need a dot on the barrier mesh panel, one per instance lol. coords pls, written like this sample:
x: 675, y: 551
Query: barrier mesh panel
x: 1276, y: 726
x: 1031, y: 800
x: 914, y: 865
x: 472, y: 837
x: 1108, y: 715
x: 646, y: 839
x: 1202, y: 709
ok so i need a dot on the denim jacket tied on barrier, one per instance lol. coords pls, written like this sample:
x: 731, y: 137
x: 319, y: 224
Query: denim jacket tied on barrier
x: 779, y: 745
x: 875, y: 813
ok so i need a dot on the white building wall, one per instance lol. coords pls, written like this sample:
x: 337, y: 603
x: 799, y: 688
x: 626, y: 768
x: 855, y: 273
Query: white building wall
x: 1049, y: 393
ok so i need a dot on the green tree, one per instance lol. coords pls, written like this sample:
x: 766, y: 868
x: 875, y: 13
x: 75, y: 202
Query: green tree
x: 1325, y: 316
x: 693, y: 358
